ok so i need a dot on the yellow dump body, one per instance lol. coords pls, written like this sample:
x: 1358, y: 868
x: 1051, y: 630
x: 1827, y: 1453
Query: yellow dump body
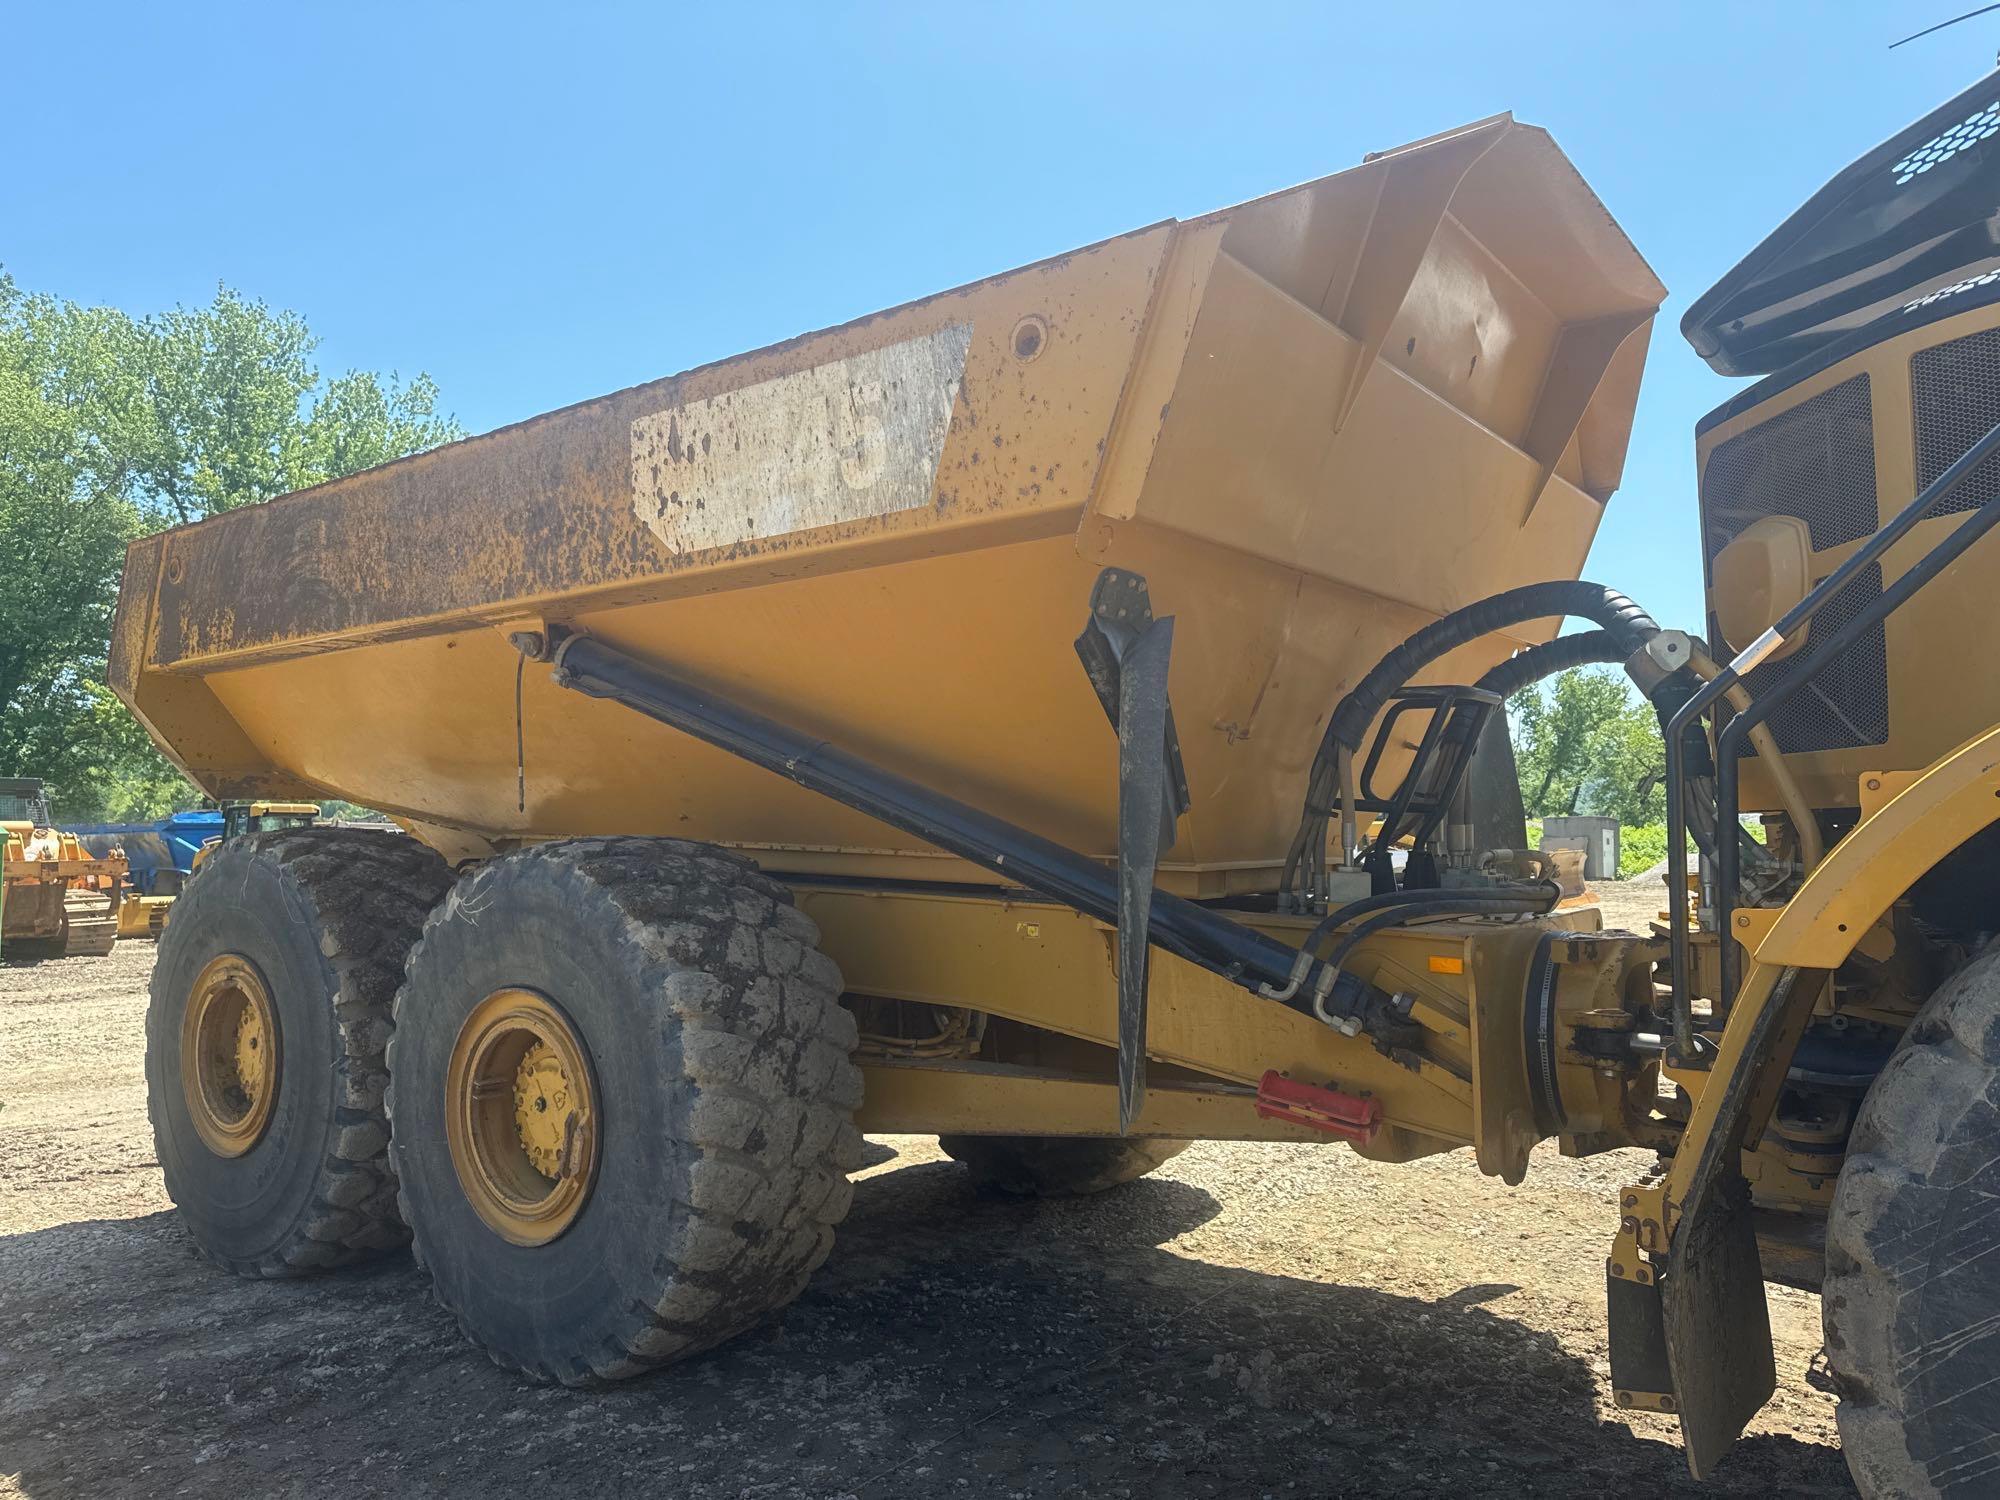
x: 1313, y: 422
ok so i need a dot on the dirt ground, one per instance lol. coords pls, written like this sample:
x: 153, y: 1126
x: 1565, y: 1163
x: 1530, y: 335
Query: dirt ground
x: 1252, y: 1320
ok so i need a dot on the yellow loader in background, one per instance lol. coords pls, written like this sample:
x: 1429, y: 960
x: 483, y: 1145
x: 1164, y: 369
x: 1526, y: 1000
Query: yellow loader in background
x: 143, y: 916
x: 56, y: 899
x: 1064, y: 715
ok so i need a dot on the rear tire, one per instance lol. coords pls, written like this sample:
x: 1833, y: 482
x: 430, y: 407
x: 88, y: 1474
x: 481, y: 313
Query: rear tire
x: 1056, y: 1166
x: 706, y: 1057
x: 319, y: 920
x: 1911, y: 1301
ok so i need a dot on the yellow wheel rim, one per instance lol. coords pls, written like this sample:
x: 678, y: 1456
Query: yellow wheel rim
x: 230, y: 1055
x: 520, y: 1117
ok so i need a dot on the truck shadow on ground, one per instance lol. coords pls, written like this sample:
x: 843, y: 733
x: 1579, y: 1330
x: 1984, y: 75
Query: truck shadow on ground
x: 954, y: 1345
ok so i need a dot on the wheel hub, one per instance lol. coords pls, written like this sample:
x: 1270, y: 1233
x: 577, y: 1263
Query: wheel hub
x: 230, y: 1055
x: 251, y: 1050
x: 520, y: 1116
x: 542, y: 1108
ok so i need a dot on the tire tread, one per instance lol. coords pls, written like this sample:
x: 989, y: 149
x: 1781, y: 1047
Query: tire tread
x: 367, y: 893
x: 1882, y: 1242
x: 764, y: 1037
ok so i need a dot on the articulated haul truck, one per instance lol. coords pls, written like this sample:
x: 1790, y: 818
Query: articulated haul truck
x: 1065, y: 715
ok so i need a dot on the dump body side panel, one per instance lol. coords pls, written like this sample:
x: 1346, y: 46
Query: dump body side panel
x: 568, y: 508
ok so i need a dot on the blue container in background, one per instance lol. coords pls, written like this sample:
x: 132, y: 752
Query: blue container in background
x: 160, y: 853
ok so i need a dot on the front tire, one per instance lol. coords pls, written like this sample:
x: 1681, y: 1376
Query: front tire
x: 1911, y: 1301
x: 623, y: 1103
x: 265, y: 1032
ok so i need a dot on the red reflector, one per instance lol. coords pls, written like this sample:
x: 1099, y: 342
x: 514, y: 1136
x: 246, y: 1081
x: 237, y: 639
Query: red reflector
x: 1346, y: 1115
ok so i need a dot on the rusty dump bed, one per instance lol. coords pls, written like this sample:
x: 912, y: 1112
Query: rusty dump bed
x: 1313, y: 422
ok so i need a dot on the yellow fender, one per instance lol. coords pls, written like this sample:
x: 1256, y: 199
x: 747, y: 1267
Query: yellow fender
x: 1714, y: 1303
x: 1846, y: 895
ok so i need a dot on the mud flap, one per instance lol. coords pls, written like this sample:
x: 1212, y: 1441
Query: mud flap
x: 1125, y: 652
x: 1717, y: 1324
x: 1638, y: 1336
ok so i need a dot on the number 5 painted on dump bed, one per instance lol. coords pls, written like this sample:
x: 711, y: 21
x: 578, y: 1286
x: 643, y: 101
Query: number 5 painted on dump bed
x: 842, y: 441
x: 864, y: 434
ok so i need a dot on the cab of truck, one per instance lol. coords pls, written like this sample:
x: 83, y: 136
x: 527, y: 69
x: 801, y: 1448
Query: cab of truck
x: 239, y: 818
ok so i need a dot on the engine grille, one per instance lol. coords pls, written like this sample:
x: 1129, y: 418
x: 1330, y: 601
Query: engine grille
x: 1817, y: 462
x: 1847, y: 702
x: 1955, y: 398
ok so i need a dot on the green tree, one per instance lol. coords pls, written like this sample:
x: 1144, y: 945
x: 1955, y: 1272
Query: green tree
x: 112, y: 426
x: 1585, y: 744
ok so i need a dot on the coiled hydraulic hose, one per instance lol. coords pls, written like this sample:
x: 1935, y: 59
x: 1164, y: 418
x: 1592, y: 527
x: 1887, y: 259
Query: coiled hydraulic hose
x: 1628, y: 626
x: 1525, y: 668
x: 1593, y: 647
x: 1624, y: 628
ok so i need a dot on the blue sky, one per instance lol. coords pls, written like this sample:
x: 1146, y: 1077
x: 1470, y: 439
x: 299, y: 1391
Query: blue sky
x: 538, y: 204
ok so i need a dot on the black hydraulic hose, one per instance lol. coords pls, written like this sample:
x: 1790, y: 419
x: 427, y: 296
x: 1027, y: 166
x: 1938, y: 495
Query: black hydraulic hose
x: 1525, y: 668
x: 1446, y: 904
x: 1630, y: 627
x: 1627, y: 627
x: 1471, y: 901
x: 1591, y: 648
x: 1236, y: 952
x: 1686, y: 721
x: 1587, y: 648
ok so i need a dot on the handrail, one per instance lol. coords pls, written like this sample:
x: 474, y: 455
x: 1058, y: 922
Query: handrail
x: 1730, y: 742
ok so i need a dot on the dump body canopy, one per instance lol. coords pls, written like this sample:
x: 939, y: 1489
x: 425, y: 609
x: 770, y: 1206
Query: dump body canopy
x: 1910, y: 221
x: 1314, y: 422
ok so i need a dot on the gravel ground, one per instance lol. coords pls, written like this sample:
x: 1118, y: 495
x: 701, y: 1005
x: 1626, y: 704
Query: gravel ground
x: 1252, y: 1320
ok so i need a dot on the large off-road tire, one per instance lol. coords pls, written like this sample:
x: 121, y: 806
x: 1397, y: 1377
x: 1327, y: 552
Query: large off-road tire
x: 1056, y: 1166
x: 673, y: 1007
x: 90, y: 923
x: 304, y: 932
x: 1911, y: 1301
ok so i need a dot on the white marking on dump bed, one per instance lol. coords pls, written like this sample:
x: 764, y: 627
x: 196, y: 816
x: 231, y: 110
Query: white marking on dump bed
x: 842, y: 441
